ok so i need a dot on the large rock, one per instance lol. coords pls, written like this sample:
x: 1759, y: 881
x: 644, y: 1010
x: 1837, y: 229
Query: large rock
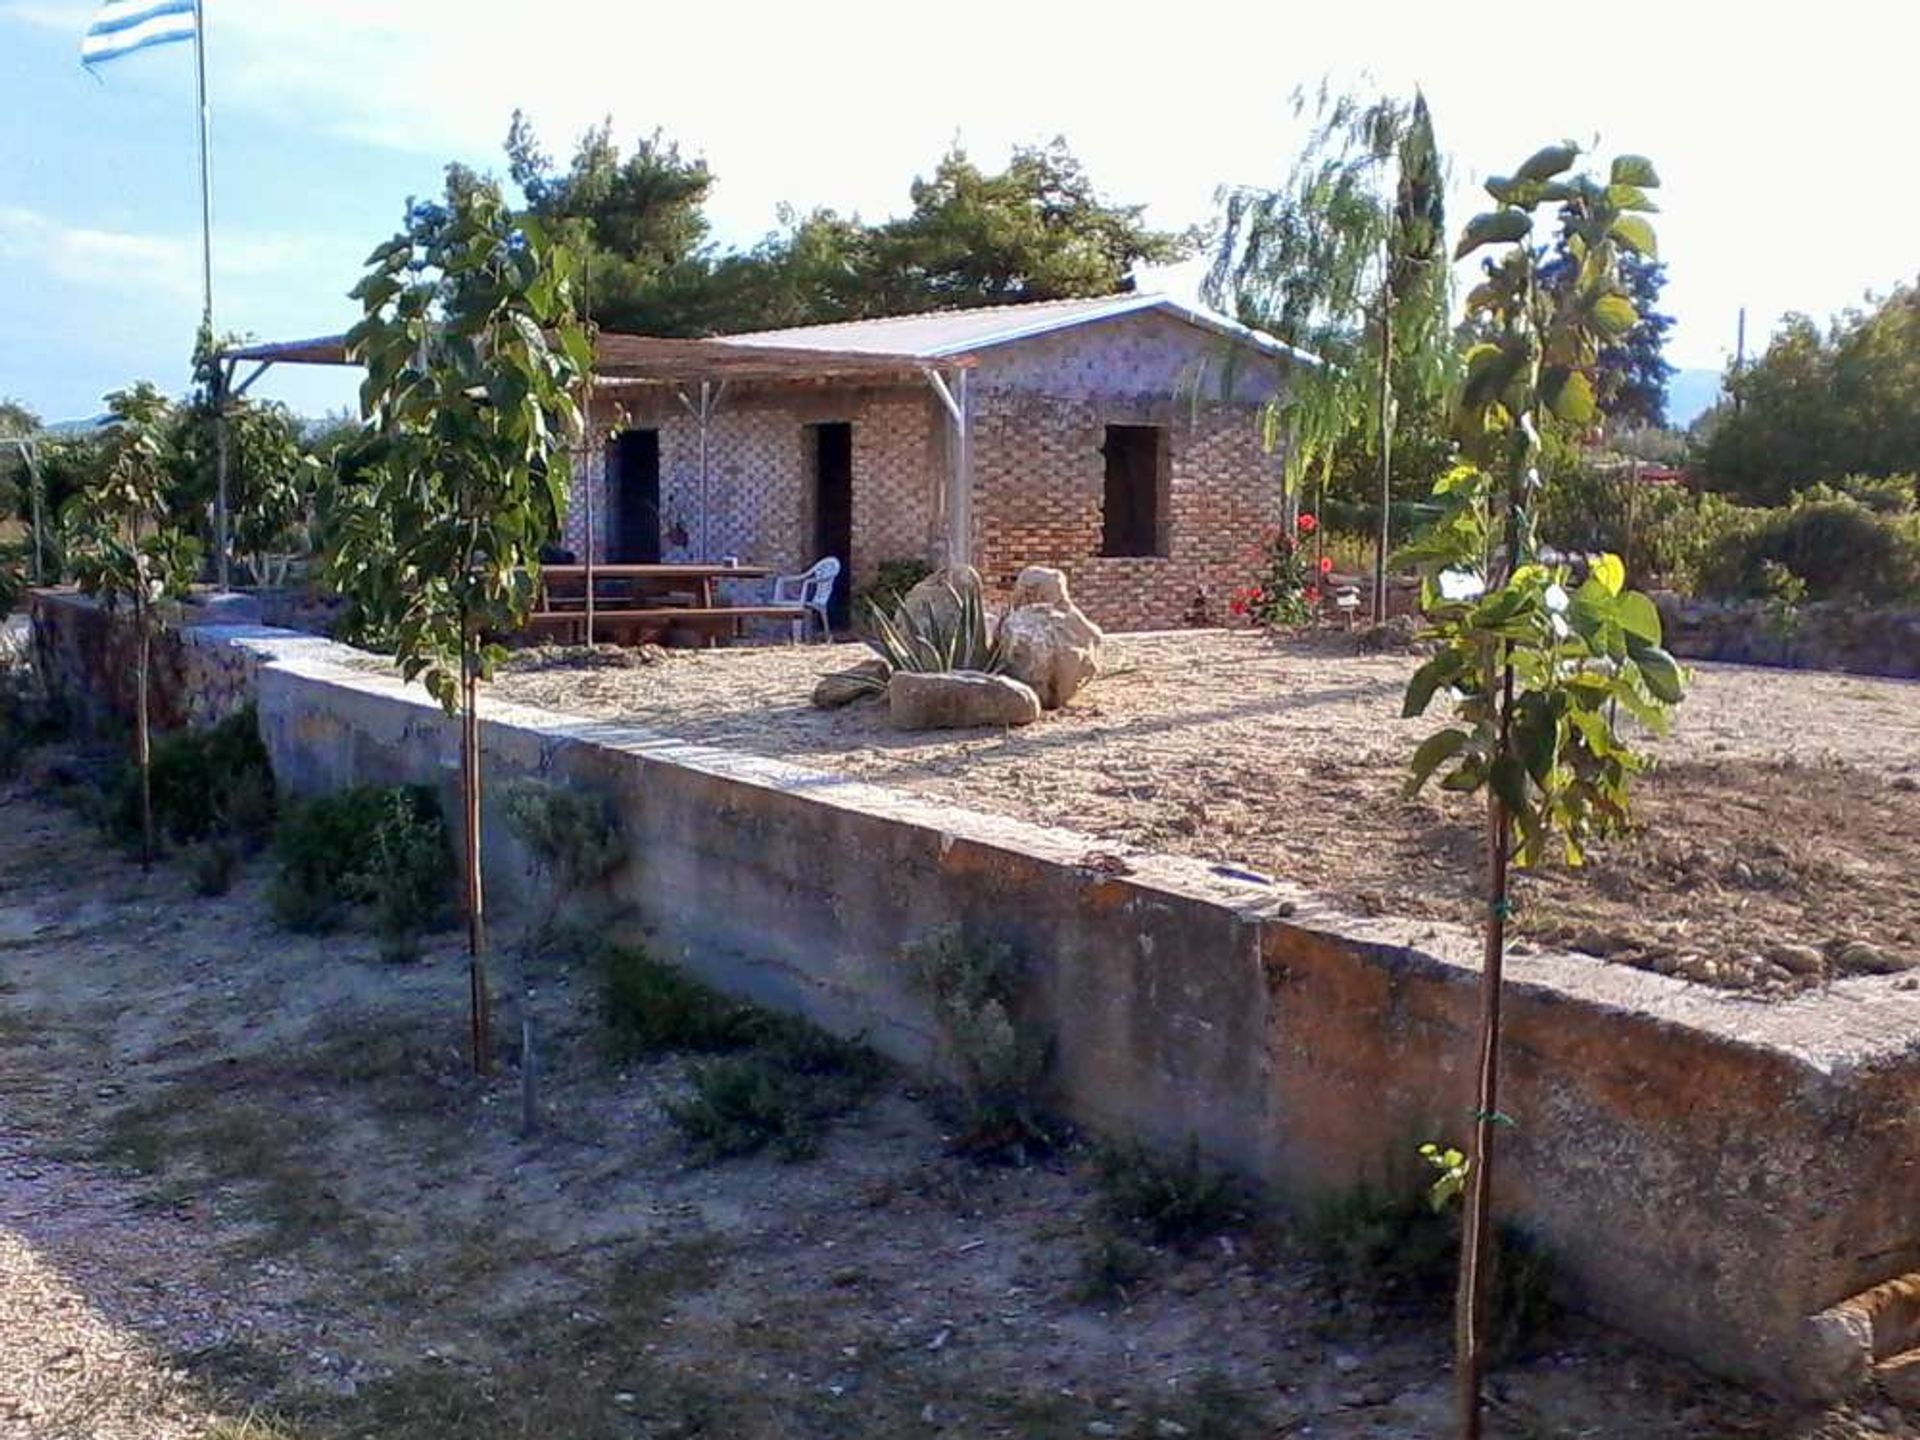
x: 866, y: 680
x: 936, y: 598
x: 959, y: 700
x: 1050, y: 643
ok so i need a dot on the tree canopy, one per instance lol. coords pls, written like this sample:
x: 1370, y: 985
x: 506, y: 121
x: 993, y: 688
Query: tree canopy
x: 1039, y: 229
x: 1818, y: 406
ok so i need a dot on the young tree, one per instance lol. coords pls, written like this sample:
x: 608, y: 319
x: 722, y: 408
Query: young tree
x: 1345, y: 260
x: 474, y: 352
x: 126, y: 544
x: 1537, y: 667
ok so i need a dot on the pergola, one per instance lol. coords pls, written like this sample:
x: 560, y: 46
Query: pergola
x: 697, y: 373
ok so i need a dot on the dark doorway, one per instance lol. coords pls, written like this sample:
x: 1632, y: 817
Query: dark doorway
x: 636, y: 498
x: 833, y: 510
x: 1136, y: 482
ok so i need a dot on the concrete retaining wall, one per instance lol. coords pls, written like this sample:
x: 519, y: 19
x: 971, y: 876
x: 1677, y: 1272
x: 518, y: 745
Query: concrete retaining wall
x: 1708, y: 1172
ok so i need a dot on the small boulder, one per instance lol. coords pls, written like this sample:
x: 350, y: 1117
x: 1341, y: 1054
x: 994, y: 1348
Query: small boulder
x: 1050, y: 643
x: 1039, y: 585
x: 867, y: 680
x: 958, y: 700
x: 935, y: 599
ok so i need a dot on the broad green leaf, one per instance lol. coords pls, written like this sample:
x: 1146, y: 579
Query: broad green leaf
x: 1549, y: 162
x: 1438, y: 671
x: 1638, y: 616
x: 1636, y: 233
x: 1496, y: 227
x: 1630, y: 197
x: 1569, y: 394
x: 1633, y: 170
x: 1614, y: 315
x: 1609, y: 572
x: 1434, y: 752
x: 1662, y: 673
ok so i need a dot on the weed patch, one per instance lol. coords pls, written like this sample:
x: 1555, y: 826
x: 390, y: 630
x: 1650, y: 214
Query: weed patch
x: 651, y: 1008
x: 1001, y: 1062
x: 782, y: 1095
x: 381, y: 849
x: 1162, y: 1204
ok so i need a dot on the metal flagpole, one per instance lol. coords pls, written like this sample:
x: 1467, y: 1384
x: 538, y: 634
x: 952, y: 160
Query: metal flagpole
x: 217, y: 380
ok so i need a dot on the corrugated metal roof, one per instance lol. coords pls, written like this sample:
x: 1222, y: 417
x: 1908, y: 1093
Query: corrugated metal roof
x: 940, y: 334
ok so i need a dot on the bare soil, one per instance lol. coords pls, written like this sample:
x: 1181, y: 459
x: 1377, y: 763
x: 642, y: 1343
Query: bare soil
x: 247, y: 1189
x: 1784, y: 812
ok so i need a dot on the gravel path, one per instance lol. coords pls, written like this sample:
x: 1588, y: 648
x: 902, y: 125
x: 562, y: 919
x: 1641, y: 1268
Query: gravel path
x: 1775, y: 787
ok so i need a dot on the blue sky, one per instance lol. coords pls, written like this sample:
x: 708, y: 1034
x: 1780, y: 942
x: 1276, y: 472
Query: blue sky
x: 1781, y: 137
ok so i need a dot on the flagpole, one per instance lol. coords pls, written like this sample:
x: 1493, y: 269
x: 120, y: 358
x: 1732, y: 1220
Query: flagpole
x: 216, y: 382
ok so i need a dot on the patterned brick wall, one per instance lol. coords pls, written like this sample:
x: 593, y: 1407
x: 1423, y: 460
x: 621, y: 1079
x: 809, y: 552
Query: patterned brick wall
x: 761, y: 495
x: 1040, y: 409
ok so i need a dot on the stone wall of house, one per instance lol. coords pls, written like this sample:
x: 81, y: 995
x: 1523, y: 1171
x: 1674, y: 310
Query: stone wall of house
x: 1040, y: 409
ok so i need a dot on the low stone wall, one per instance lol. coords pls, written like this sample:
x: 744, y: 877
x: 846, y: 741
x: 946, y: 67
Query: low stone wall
x: 1707, y: 1172
x: 1860, y: 640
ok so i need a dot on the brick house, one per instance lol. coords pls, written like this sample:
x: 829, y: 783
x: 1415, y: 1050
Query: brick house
x: 1118, y: 439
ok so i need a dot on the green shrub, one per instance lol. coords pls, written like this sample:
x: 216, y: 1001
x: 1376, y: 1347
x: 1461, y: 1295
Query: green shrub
x: 28, y: 715
x: 781, y: 1095
x: 889, y: 586
x: 382, y: 848
x: 1399, y: 1243
x: 1837, y: 548
x: 651, y: 1008
x: 1001, y: 1062
x: 571, y: 835
x: 1112, y: 1267
x: 1163, y: 1204
x: 210, y: 783
x: 214, y: 864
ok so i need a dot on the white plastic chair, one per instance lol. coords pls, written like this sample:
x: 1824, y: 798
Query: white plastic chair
x: 813, y: 590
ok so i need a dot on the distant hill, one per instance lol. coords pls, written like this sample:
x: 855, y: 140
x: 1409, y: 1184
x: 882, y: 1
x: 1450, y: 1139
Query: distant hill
x: 1690, y: 394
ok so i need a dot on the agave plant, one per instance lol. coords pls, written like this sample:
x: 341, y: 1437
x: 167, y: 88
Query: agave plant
x: 933, y: 639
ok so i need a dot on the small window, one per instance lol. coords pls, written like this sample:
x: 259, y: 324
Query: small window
x: 1130, y: 518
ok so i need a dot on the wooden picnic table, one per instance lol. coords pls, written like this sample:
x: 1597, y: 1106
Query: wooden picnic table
x: 632, y: 601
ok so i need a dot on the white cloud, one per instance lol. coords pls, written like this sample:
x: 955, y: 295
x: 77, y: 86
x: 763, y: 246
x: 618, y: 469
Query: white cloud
x: 166, y: 265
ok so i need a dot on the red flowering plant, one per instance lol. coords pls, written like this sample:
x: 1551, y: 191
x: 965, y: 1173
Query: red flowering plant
x: 1284, y: 593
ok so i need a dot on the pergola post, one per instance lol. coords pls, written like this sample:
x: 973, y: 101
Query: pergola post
x: 222, y: 379
x: 960, y: 477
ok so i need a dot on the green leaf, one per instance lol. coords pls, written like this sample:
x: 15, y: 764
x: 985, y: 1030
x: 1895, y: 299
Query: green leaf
x: 1508, y: 778
x: 1569, y: 394
x: 1549, y: 162
x: 1440, y: 670
x: 1614, y: 315
x: 1496, y: 227
x: 1636, y: 233
x: 1434, y: 752
x: 1633, y: 170
x: 1638, y: 616
x: 1662, y: 673
x: 1609, y: 572
x: 1630, y: 197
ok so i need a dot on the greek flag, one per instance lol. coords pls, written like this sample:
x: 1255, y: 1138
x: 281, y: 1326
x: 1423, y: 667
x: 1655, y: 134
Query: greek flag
x: 121, y: 27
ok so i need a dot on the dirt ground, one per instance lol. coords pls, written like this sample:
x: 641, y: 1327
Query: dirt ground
x: 1778, y: 794
x: 249, y: 1192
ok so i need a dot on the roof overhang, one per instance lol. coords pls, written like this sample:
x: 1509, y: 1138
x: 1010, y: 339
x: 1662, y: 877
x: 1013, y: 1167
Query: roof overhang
x: 650, y: 360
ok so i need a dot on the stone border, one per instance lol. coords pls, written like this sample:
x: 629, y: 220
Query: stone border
x: 1707, y: 1171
